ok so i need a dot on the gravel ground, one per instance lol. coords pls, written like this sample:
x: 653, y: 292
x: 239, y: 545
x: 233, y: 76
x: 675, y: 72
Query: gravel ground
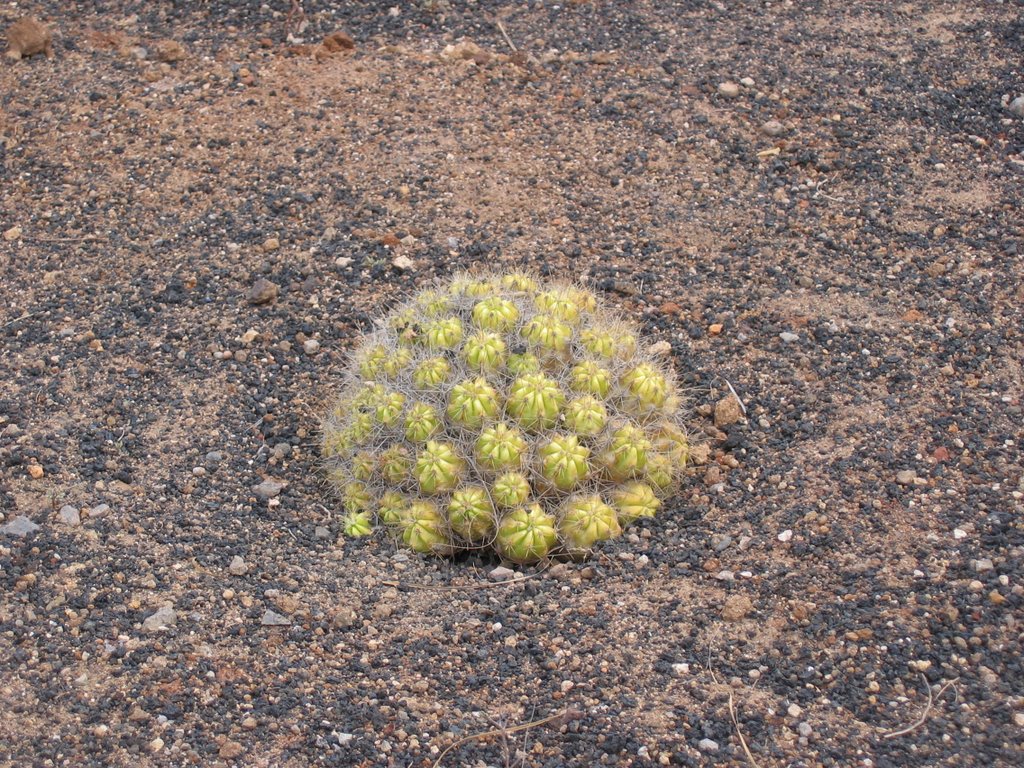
x: 817, y: 202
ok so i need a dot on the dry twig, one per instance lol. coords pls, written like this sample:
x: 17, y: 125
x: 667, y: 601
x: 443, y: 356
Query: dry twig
x: 743, y: 741
x: 736, y: 395
x: 482, y: 585
x: 924, y: 715
x: 25, y: 316
x: 501, y: 28
x: 502, y: 732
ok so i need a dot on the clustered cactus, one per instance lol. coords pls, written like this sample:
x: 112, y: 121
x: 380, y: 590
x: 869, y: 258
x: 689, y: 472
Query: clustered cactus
x: 500, y: 412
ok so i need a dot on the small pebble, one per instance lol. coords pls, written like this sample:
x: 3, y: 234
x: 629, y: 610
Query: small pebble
x: 906, y: 477
x: 403, y: 263
x: 1017, y: 106
x: 730, y: 91
x: 100, y: 510
x: 721, y: 541
x: 501, y: 573
x: 773, y: 128
x: 262, y: 292
x: 20, y: 526
x: 794, y: 710
x: 789, y: 337
x: 804, y: 729
x: 268, y: 489
x: 237, y: 567
x: 984, y: 564
x: 311, y: 346
x: 707, y: 745
x: 727, y: 411
x: 164, y: 618
x: 661, y: 348
x: 785, y: 536
x: 70, y: 516
x: 272, y: 619
x: 737, y: 607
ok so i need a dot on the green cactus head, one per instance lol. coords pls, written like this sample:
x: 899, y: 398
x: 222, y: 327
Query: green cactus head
x: 500, y: 447
x: 391, y: 509
x: 484, y: 351
x: 472, y: 403
x: 626, y: 454
x: 495, y: 314
x: 422, y: 422
x: 535, y: 401
x: 548, y: 335
x: 357, y: 524
x: 425, y: 529
x: 590, y: 378
x: 471, y: 514
x: 585, y: 521
x: 431, y: 373
x: 504, y: 414
x: 510, y: 489
x: 526, y: 534
x: 646, y: 385
x: 634, y: 500
x: 563, y: 462
x: 396, y: 464
x: 443, y: 333
x: 438, y: 468
x: 586, y: 416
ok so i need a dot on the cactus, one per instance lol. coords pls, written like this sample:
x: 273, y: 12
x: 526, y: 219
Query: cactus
x: 526, y: 535
x: 502, y: 413
x: 586, y: 521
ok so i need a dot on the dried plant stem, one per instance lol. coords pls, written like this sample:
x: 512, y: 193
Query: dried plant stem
x: 483, y: 585
x: 500, y: 732
x: 25, y: 316
x: 743, y: 741
x: 501, y: 28
x: 743, y: 407
x: 924, y: 715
